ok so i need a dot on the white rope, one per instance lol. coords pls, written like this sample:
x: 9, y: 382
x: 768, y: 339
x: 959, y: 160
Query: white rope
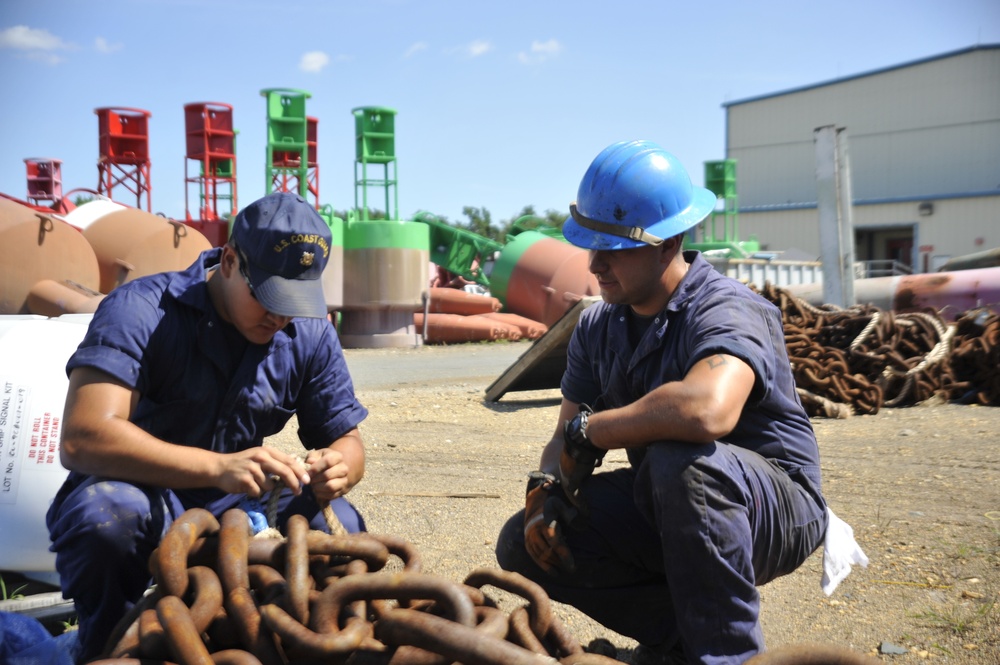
x: 876, y: 317
x: 332, y: 521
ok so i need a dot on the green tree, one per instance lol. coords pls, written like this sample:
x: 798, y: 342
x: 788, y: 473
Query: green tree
x: 481, y: 223
x: 528, y: 210
x: 529, y: 220
x: 555, y: 218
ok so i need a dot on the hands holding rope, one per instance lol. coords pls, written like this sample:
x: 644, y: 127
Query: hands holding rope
x: 256, y: 471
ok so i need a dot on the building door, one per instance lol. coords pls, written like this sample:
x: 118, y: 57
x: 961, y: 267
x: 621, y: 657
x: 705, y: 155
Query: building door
x: 900, y: 250
x: 886, y: 250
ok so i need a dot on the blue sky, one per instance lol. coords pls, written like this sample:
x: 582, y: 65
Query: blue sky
x: 500, y: 104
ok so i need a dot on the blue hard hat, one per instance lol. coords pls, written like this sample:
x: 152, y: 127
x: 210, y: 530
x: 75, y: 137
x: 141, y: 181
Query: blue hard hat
x: 635, y: 193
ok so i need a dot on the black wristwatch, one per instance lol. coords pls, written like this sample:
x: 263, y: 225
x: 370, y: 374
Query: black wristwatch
x: 577, y: 445
x: 576, y: 429
x: 539, y: 478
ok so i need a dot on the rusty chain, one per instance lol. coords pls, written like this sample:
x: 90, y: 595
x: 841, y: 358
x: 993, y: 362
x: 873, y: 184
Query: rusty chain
x: 223, y: 596
x: 864, y: 358
x: 975, y: 359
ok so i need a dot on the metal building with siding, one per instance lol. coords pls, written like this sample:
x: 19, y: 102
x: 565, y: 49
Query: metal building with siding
x: 923, y: 143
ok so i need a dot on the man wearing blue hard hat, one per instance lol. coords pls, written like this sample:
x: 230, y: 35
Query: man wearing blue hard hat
x: 178, y: 381
x: 686, y: 370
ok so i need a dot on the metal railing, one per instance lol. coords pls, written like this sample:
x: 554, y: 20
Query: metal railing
x: 880, y: 268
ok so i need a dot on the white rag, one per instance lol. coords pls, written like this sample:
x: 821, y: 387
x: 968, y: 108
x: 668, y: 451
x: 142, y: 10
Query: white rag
x: 840, y: 552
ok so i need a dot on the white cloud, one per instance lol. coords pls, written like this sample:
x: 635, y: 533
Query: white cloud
x: 314, y: 61
x: 23, y: 38
x: 414, y: 49
x: 104, y: 46
x: 38, y: 45
x: 550, y: 47
x: 540, y: 52
x: 44, y: 57
x: 478, y: 47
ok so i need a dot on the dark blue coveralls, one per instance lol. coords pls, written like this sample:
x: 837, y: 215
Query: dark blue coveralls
x: 202, y: 384
x: 678, y: 541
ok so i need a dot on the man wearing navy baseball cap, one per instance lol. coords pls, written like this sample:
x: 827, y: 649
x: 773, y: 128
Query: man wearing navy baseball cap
x: 179, y: 379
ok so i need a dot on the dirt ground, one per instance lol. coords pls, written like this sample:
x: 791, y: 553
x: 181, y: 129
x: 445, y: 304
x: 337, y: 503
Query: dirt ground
x: 920, y: 487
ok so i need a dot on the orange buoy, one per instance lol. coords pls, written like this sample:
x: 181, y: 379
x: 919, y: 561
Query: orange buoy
x: 131, y: 243
x: 51, y: 298
x: 35, y: 246
x: 541, y: 278
x: 455, y: 301
x: 530, y: 329
x: 458, y: 329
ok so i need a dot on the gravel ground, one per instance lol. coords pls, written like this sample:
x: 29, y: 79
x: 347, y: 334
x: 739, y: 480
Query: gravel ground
x: 920, y: 487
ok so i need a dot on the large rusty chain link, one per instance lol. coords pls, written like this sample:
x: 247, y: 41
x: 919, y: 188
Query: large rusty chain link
x: 975, y: 359
x: 860, y: 359
x: 223, y: 596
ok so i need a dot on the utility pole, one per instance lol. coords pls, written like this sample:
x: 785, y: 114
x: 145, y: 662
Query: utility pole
x: 834, y: 204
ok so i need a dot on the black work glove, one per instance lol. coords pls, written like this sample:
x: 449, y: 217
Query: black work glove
x: 579, y: 457
x: 545, y: 512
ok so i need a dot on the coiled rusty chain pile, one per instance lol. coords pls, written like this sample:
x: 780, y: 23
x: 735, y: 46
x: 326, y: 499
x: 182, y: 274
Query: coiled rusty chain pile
x: 975, y: 359
x: 224, y: 597
x: 865, y: 358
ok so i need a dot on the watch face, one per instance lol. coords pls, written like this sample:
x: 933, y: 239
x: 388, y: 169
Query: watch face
x: 578, y: 427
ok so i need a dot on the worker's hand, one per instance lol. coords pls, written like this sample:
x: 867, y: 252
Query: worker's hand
x: 258, y: 470
x: 545, y: 510
x: 579, y: 457
x: 329, y: 474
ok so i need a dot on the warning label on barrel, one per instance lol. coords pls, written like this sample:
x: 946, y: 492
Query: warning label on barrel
x: 28, y: 440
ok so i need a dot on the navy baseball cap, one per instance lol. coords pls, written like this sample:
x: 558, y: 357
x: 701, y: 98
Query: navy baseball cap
x: 284, y: 245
